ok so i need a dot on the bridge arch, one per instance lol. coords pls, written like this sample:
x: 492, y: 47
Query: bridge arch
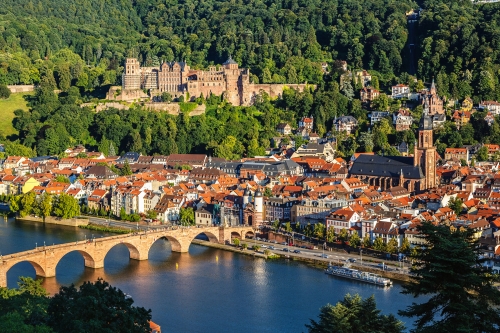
x: 235, y: 234
x: 88, y: 259
x: 174, y: 242
x: 135, y: 250
x: 248, y: 233
x: 39, y: 270
x: 212, y: 238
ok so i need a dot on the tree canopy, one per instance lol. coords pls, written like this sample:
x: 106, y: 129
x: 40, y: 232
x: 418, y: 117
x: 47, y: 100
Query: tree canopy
x: 354, y: 314
x: 461, y: 295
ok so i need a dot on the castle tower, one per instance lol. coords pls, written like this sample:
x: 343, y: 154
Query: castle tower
x: 426, y: 153
x: 131, y: 77
x: 233, y: 84
x: 259, y: 208
x: 246, y: 197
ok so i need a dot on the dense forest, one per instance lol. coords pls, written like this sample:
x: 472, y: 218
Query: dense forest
x: 79, y: 48
x: 278, y: 40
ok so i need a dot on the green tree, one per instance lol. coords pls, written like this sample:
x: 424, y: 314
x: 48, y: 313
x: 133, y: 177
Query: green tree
x: 151, y: 214
x: 44, y: 205
x: 244, y: 246
x: 236, y: 242
x: 354, y: 240
x: 456, y: 205
x: 308, y: 230
x: 4, y: 91
x: 268, y: 192
x: 256, y: 247
x: 276, y: 224
x: 166, y: 97
x: 288, y: 227
x: 76, y: 310
x: 330, y: 234
x: 462, y: 297
x: 379, y: 245
x: 24, y: 309
x: 125, y: 170
x: 380, y: 103
x: 405, y: 246
x: 482, y: 154
x: 28, y: 201
x: 354, y: 314
x: 186, y: 216
x: 366, y: 241
x: 343, y: 235
x: 65, y: 206
x: 62, y: 179
x: 392, y: 246
x: 319, y: 230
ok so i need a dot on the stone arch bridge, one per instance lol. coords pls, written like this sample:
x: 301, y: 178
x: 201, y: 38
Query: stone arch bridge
x: 45, y: 258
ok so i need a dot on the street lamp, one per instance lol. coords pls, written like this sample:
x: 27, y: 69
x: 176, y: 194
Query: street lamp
x: 36, y: 245
x: 361, y: 254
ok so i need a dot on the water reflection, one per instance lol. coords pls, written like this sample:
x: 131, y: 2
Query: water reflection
x: 234, y: 293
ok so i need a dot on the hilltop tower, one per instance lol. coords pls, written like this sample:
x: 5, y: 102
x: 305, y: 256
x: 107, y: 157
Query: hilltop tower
x: 259, y: 208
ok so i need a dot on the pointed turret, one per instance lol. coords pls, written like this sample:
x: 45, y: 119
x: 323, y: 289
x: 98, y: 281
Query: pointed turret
x: 433, y: 87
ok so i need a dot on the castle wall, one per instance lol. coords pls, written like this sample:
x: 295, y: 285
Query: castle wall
x: 21, y: 88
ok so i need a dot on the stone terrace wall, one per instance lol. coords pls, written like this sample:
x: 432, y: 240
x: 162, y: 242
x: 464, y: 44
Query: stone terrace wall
x: 21, y: 88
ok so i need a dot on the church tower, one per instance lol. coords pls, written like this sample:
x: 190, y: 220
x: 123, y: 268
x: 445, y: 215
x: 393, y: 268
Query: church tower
x: 425, y: 155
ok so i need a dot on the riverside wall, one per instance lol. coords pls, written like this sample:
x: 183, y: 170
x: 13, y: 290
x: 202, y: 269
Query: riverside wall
x: 74, y: 222
x: 316, y: 262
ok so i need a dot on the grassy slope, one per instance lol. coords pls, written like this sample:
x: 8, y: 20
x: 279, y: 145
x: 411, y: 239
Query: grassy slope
x: 7, y: 108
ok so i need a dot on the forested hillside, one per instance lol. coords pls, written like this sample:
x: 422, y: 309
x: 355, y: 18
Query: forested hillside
x: 79, y: 47
x: 279, y: 40
x: 460, y: 47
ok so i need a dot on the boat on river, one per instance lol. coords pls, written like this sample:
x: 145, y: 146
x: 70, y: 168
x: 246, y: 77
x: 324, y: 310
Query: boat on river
x: 357, y: 275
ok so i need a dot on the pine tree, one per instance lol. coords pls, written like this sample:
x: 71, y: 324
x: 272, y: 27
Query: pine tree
x: 448, y: 268
x: 353, y: 314
x: 111, y: 150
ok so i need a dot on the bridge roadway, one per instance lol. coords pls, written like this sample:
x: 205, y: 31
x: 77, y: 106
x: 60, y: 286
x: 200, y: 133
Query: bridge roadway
x: 45, y: 258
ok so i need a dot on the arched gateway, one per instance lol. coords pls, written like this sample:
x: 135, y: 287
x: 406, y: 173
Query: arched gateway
x: 45, y: 259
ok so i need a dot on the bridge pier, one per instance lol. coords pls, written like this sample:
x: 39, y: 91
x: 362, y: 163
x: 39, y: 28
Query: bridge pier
x: 3, y: 280
x: 92, y: 263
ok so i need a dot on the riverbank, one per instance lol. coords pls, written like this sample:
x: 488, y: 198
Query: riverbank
x: 228, y: 248
x: 314, y: 262
x: 74, y: 222
x: 115, y: 230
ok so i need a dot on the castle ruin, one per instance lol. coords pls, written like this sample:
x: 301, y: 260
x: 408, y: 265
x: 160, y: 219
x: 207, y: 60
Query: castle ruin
x: 178, y: 79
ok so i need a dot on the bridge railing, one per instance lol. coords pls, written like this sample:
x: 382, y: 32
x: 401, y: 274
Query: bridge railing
x: 108, y: 238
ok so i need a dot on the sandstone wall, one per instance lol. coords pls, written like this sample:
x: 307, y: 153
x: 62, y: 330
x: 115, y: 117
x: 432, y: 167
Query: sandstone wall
x: 21, y: 88
x: 74, y: 222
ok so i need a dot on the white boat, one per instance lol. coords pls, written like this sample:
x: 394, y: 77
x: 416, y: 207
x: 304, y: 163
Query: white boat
x: 354, y: 274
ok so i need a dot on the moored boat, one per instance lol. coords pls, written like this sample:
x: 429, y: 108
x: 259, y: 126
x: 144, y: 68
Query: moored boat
x: 355, y: 274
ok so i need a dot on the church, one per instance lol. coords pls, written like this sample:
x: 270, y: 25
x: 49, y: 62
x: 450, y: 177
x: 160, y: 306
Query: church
x: 416, y: 173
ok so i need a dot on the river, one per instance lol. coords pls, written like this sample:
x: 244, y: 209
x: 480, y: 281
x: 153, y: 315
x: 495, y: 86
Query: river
x: 235, y: 293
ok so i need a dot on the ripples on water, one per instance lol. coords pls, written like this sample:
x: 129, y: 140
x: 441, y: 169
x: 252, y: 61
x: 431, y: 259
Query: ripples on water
x: 235, y: 293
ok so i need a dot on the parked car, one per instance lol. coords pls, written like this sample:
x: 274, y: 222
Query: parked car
x: 284, y: 243
x: 271, y: 247
x: 296, y: 251
x: 324, y: 256
x: 382, y: 266
x: 285, y: 249
x: 351, y: 260
x: 264, y: 246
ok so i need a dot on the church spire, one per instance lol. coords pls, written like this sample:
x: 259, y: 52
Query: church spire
x: 433, y: 86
